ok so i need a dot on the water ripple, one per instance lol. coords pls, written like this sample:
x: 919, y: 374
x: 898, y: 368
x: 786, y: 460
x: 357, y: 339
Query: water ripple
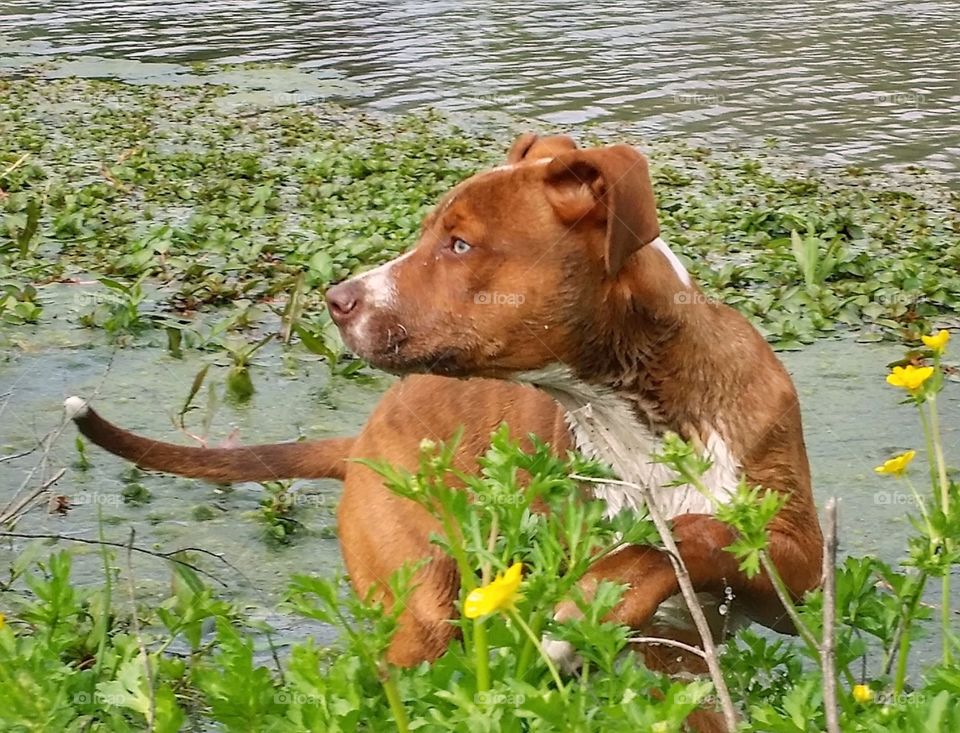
x: 864, y: 81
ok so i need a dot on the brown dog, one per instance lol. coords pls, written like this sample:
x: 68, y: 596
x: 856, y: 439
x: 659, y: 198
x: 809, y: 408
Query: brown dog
x: 547, y: 271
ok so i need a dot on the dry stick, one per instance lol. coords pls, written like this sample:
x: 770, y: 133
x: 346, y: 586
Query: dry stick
x: 162, y: 555
x: 48, y: 440
x: 135, y: 619
x: 45, y: 443
x: 827, y: 650
x: 15, y: 456
x: 12, y: 512
x: 667, y: 642
x: 689, y: 595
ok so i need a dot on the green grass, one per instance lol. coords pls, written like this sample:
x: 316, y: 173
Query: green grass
x: 184, y: 225
x: 222, y: 211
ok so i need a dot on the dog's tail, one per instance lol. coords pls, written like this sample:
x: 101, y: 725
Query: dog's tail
x: 306, y: 459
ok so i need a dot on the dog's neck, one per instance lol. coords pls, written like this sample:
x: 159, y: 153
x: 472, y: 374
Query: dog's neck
x: 638, y: 376
x: 605, y: 426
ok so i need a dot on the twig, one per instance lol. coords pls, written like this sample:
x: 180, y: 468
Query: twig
x: 46, y: 443
x: 135, y: 620
x: 15, y: 164
x: 276, y: 658
x: 827, y: 648
x: 689, y: 595
x: 666, y: 642
x: 11, y: 511
x: 15, y: 456
x: 162, y: 555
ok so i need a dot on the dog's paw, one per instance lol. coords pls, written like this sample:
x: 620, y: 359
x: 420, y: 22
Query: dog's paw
x: 562, y: 654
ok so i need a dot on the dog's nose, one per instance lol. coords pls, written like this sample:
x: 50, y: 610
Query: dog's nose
x: 342, y: 301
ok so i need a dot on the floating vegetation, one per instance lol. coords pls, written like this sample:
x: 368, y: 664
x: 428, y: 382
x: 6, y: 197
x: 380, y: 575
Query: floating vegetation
x: 171, y: 210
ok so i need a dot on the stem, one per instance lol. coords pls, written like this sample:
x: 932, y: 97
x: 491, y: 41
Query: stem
x: 689, y: 595
x: 928, y: 441
x: 481, y: 648
x: 467, y: 579
x: 827, y: 650
x: 393, y: 698
x: 529, y: 645
x: 938, y: 455
x: 902, y: 656
x: 482, y: 653
x: 945, y: 612
x: 103, y: 625
x: 903, y: 651
x: 784, y: 595
x: 530, y: 635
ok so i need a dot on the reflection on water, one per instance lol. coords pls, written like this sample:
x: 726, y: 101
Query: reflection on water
x: 866, y: 81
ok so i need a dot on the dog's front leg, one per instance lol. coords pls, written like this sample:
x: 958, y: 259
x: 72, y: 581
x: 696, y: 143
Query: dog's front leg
x: 702, y: 541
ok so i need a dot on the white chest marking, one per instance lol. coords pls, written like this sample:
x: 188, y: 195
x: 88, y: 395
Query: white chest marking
x: 681, y: 271
x: 605, y: 427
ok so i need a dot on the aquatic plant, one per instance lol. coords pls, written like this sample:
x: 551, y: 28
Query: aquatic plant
x: 83, y: 657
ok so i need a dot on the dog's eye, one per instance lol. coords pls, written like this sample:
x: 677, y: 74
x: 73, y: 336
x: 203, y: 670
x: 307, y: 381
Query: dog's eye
x: 460, y: 247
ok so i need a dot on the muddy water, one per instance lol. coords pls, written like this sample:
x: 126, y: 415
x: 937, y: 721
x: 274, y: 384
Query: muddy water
x: 859, y: 82
x: 852, y: 423
x: 144, y: 389
x: 863, y: 81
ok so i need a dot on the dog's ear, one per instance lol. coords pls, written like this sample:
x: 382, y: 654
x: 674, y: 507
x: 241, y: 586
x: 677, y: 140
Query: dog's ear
x: 520, y: 147
x: 607, y: 185
x: 529, y: 147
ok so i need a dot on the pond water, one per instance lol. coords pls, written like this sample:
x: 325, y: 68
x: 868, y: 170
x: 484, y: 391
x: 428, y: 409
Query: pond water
x: 852, y: 422
x: 865, y: 83
x: 856, y: 81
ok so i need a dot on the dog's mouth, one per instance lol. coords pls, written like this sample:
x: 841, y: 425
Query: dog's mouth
x: 447, y: 363
x: 388, y: 345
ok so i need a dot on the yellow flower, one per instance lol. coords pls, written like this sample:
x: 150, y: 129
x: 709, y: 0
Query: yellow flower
x: 910, y: 378
x: 3, y: 620
x: 937, y: 341
x: 498, y: 595
x: 897, y: 466
x: 862, y: 694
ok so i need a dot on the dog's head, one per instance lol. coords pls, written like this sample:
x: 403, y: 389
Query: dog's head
x: 506, y: 264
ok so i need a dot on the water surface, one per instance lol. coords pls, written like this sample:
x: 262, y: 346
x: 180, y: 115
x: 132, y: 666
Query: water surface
x: 856, y: 81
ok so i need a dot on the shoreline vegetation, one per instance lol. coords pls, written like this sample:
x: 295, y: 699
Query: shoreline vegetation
x: 166, y: 218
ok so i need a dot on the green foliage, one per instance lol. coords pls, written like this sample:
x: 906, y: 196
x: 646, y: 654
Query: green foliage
x: 68, y: 659
x: 229, y: 216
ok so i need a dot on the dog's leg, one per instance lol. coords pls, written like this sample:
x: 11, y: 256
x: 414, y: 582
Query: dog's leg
x: 424, y: 628
x: 702, y: 540
x: 380, y: 533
